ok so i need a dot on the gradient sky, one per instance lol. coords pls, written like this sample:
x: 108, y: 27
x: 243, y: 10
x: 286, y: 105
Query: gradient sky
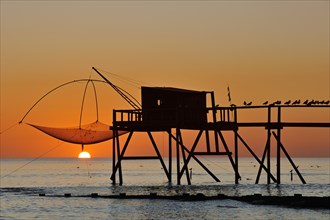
x: 264, y: 50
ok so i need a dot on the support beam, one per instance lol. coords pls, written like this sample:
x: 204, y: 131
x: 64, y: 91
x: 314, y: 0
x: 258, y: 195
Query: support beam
x: 140, y: 158
x: 212, y: 153
x: 268, y: 145
x: 158, y: 154
x: 178, y: 178
x: 203, y: 166
x: 197, y: 160
x: 237, y: 176
x: 214, y: 111
x: 262, y: 161
x: 185, y: 161
x: 115, y: 132
x: 113, y: 177
x: 229, y: 155
x: 121, y: 155
x: 289, y: 158
x: 118, y: 155
x: 207, y: 136
x: 278, y: 155
x: 191, y: 152
x: 255, y: 157
x: 170, y: 156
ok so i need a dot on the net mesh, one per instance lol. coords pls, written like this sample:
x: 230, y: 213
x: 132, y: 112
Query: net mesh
x: 92, y: 133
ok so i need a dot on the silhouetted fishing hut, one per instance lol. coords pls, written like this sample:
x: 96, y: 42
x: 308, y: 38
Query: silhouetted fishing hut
x: 170, y: 110
x: 172, y: 107
x: 164, y: 109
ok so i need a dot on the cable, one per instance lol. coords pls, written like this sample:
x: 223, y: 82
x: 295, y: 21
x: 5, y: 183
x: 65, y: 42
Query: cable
x: 10, y: 127
x: 133, y: 82
x: 74, y: 81
x: 41, y: 155
x: 215, y: 163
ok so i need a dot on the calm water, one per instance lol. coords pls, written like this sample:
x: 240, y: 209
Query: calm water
x: 20, y: 190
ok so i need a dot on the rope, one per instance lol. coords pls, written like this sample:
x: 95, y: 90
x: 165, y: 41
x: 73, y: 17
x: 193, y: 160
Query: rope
x: 10, y: 127
x: 83, y: 101
x: 133, y: 82
x: 74, y: 81
x: 41, y: 155
x: 96, y: 102
x: 82, y: 104
x: 215, y: 163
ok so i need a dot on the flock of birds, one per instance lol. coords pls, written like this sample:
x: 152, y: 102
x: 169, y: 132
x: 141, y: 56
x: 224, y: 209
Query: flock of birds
x: 296, y: 102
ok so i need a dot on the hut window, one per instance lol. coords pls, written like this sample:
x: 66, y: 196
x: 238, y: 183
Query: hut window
x: 159, y: 102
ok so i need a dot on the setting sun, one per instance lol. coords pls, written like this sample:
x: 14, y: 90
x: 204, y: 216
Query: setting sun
x: 84, y: 155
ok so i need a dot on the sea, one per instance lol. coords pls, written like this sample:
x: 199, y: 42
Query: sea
x: 35, y: 189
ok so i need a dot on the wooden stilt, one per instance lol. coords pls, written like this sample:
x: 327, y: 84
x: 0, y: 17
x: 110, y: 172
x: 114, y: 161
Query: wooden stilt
x: 122, y: 154
x: 113, y: 177
x: 214, y: 120
x: 158, y: 154
x: 203, y: 166
x: 268, y: 145
x: 278, y: 156
x: 170, y: 156
x: 119, y: 161
x: 289, y: 158
x: 255, y: 157
x: 228, y: 152
x: 237, y: 176
x: 198, y: 161
x: 185, y: 161
x: 262, y: 161
x: 207, y: 137
x: 178, y: 178
x: 191, y: 152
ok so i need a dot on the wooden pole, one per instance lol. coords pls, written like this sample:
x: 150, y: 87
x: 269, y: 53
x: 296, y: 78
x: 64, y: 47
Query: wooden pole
x: 197, y: 160
x: 236, y: 149
x: 184, y: 161
x: 278, y: 163
x: 158, y: 154
x: 262, y: 161
x: 228, y: 153
x: 289, y: 158
x: 214, y: 111
x: 191, y: 152
x: 113, y: 178
x: 178, y: 157
x: 268, y: 144
x: 122, y: 154
x: 119, y: 161
x: 207, y: 136
x: 255, y: 157
x: 170, y: 156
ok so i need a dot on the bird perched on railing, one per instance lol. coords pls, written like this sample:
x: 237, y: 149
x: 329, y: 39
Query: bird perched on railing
x: 311, y: 103
x: 265, y: 103
x: 245, y: 103
x: 305, y: 102
x: 288, y: 102
x: 297, y: 102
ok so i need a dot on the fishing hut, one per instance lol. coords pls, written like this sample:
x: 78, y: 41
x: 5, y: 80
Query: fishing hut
x: 172, y: 110
x: 166, y: 109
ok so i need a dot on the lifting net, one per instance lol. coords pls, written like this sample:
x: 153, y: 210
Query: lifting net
x: 92, y: 133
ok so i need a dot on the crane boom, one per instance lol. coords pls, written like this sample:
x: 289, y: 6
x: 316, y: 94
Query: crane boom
x: 131, y: 101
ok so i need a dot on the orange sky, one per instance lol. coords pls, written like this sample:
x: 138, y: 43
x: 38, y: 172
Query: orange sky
x: 264, y: 50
